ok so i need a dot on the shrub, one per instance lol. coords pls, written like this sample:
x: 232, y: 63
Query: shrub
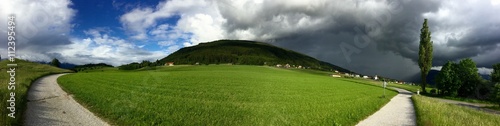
x: 447, y: 81
x: 433, y: 91
x: 496, y: 94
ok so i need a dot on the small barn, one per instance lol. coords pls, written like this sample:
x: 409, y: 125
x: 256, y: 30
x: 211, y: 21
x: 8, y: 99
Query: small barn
x: 169, y: 64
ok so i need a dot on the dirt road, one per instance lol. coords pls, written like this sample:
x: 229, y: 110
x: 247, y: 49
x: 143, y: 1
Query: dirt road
x: 49, y: 105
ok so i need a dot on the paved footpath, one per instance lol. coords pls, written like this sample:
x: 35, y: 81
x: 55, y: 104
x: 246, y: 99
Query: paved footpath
x: 398, y: 112
x: 49, y: 105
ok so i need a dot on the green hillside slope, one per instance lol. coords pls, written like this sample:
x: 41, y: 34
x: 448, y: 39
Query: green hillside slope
x: 245, y: 53
x: 25, y: 73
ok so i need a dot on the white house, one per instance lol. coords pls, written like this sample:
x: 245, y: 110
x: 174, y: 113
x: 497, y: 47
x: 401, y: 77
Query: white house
x: 278, y: 65
x: 334, y: 75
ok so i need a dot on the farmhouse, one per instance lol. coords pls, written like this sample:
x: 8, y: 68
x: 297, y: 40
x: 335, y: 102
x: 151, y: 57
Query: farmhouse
x: 278, y: 65
x: 334, y: 75
x: 169, y: 64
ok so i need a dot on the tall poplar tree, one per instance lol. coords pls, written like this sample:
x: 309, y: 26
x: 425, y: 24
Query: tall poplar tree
x: 425, y: 54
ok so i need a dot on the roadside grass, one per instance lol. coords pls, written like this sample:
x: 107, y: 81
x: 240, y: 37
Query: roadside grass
x: 26, y: 73
x: 495, y: 107
x: 415, y: 88
x: 431, y: 112
x: 471, y: 100
x: 223, y: 95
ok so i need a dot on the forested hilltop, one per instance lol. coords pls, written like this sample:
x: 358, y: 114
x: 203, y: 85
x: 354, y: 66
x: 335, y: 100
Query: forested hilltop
x: 245, y: 53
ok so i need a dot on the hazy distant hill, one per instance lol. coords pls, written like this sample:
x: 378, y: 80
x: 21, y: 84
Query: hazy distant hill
x: 62, y: 65
x: 245, y: 53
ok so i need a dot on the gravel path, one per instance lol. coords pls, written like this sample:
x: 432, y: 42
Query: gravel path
x: 398, y: 112
x: 49, y: 105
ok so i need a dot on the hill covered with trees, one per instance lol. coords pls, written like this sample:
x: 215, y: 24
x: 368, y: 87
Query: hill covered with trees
x: 245, y: 53
x: 91, y: 66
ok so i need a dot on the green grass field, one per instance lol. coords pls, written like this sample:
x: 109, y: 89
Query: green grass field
x: 223, y: 95
x: 26, y: 73
x: 431, y: 112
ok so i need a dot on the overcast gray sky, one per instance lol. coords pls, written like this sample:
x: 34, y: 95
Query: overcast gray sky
x: 374, y: 37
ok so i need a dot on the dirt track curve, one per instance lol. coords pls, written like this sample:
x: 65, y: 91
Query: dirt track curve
x: 49, y: 105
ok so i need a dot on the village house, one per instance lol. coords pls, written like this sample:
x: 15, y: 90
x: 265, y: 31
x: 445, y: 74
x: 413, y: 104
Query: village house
x: 169, y: 64
x: 334, y: 75
x: 287, y: 65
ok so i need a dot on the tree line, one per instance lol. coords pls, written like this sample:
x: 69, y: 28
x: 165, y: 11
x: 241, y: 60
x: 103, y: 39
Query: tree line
x: 90, y: 66
x: 457, y: 79
x: 136, y: 65
x: 462, y: 79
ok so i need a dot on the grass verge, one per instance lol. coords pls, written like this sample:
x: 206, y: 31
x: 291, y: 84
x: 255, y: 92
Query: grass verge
x: 415, y: 88
x: 431, y: 112
x: 496, y: 107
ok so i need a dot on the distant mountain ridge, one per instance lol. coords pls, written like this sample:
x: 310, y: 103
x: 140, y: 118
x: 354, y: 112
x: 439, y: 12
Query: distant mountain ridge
x: 62, y: 65
x: 246, y: 53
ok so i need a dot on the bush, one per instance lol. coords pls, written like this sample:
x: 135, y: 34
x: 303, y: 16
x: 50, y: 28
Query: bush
x: 433, y: 91
x: 496, y: 94
x: 447, y: 81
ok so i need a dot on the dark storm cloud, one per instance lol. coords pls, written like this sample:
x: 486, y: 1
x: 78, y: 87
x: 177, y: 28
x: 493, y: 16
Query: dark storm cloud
x: 392, y: 29
x: 343, y: 25
x: 366, y: 36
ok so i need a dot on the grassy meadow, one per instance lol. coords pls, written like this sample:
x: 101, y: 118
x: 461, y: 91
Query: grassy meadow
x: 223, y: 95
x: 26, y: 73
x: 431, y: 112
